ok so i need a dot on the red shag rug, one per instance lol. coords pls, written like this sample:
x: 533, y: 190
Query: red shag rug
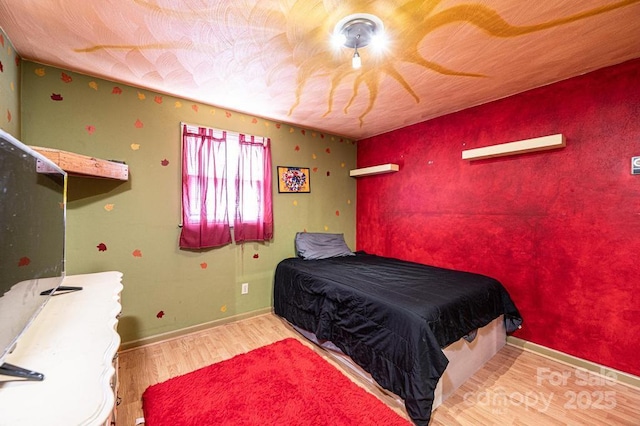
x: 284, y: 383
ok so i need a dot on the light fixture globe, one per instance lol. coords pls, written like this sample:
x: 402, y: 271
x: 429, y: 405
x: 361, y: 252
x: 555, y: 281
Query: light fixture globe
x: 357, y: 31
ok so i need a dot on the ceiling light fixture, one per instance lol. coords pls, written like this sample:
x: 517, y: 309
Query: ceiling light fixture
x: 358, y: 31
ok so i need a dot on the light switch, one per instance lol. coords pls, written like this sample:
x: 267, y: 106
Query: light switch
x: 635, y: 165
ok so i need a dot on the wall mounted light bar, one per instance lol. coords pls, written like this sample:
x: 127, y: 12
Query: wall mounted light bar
x: 518, y: 147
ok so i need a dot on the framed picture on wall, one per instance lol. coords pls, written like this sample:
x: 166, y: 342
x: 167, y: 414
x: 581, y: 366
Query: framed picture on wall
x: 293, y: 179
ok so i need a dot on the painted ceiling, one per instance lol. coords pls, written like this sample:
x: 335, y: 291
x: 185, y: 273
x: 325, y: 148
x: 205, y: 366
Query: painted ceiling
x: 274, y: 58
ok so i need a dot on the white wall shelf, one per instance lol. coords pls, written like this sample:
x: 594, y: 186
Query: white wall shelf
x: 513, y: 148
x: 374, y: 170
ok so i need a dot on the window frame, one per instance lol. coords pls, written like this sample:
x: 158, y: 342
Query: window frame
x: 232, y: 140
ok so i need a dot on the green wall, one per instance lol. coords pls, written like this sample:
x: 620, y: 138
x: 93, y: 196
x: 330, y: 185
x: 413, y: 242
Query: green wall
x: 9, y: 87
x: 165, y: 288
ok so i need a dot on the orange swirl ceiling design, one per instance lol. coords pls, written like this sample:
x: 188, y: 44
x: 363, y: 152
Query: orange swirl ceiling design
x: 274, y: 58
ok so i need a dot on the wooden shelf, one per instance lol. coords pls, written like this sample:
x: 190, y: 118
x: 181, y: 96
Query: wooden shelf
x: 374, y: 170
x: 518, y: 147
x: 82, y: 165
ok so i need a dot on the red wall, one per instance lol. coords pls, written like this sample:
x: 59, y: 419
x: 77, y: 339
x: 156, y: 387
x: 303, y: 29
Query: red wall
x: 560, y: 229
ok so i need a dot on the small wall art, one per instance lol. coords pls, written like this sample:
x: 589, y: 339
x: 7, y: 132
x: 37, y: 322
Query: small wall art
x: 293, y: 179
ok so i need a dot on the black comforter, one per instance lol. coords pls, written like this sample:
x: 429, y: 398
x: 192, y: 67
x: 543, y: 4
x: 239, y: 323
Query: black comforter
x: 390, y: 316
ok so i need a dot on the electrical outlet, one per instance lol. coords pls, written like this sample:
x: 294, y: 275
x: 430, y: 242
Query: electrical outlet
x: 245, y: 288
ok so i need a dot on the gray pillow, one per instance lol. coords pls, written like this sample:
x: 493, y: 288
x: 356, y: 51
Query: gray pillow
x: 312, y: 245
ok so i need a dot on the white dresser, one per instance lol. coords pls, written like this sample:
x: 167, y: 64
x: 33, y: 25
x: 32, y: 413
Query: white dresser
x: 74, y: 343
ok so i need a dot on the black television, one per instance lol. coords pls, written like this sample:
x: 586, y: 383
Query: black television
x: 32, y: 237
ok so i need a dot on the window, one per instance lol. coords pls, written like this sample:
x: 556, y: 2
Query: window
x: 225, y: 176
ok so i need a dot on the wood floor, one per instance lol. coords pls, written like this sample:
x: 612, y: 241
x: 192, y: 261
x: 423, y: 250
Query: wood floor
x: 516, y: 387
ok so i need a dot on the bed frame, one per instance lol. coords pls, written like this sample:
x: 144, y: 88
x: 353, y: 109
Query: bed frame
x: 465, y: 358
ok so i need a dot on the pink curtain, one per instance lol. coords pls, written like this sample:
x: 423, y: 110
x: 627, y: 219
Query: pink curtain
x: 205, y: 221
x: 254, y: 206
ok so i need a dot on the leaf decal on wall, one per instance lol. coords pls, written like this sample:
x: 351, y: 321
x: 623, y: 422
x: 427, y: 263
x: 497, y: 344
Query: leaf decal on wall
x: 157, y: 99
x: 297, y: 148
x: 303, y: 131
x: 314, y: 156
x: 24, y: 261
x: 1, y: 67
x: 328, y: 150
x: 203, y: 265
x: 177, y: 104
x: 328, y: 173
x: 337, y: 212
x: 254, y: 121
x: 116, y: 91
x: 291, y: 130
x: 137, y: 253
x: 8, y: 116
x: 194, y: 107
x: 56, y: 97
x: 315, y: 169
x: 164, y: 162
x: 93, y: 85
x: 90, y: 129
x: 139, y: 124
x: 228, y: 114
x: 160, y: 314
x: 135, y: 146
x: 223, y: 308
x: 102, y: 247
x: 108, y: 207
x: 277, y: 125
x: 66, y: 77
x: 256, y: 256
x: 141, y: 96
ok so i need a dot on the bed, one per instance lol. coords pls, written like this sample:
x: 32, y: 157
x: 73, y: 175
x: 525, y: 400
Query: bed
x: 391, y: 317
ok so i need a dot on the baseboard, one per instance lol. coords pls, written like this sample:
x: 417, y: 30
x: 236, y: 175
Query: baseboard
x: 610, y: 373
x: 126, y: 346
